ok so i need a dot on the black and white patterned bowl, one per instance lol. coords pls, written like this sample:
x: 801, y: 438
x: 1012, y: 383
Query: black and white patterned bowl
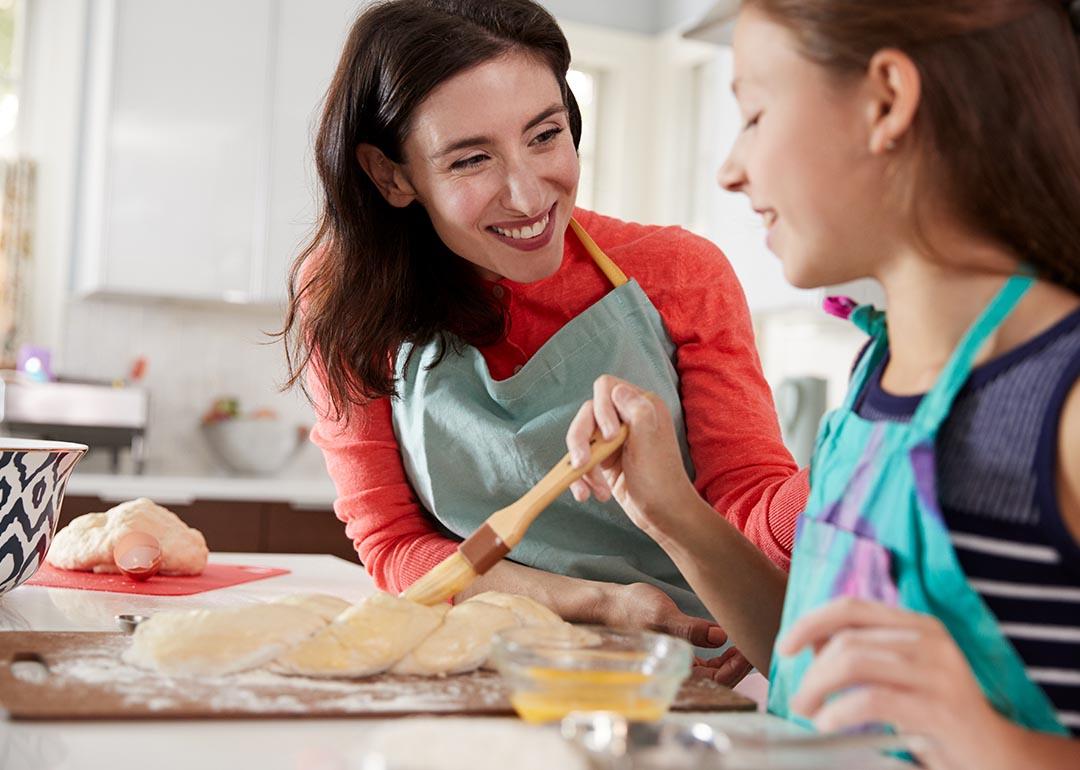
x: 33, y: 475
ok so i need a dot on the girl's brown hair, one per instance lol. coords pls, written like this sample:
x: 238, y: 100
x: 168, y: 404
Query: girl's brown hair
x: 373, y: 276
x: 1000, y: 111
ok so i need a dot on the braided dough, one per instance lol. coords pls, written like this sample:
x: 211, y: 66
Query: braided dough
x: 323, y: 636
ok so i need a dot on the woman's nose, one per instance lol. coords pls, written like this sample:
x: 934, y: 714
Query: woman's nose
x: 524, y: 190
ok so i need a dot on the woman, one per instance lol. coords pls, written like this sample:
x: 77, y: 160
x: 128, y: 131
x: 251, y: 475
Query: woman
x: 454, y: 308
x: 936, y: 573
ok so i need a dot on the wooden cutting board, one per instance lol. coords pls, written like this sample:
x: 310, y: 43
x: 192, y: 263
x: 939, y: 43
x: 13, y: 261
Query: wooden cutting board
x: 83, y: 677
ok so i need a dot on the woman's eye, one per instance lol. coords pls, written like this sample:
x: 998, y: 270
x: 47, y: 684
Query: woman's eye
x: 547, y: 136
x: 752, y: 122
x: 467, y: 163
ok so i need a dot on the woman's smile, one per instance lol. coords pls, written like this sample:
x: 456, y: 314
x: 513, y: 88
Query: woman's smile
x: 527, y: 234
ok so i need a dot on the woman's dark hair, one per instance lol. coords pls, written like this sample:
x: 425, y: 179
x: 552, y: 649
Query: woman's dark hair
x: 374, y: 276
x: 1000, y: 111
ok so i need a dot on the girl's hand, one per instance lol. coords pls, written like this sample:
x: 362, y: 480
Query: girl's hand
x: 876, y: 663
x: 646, y: 476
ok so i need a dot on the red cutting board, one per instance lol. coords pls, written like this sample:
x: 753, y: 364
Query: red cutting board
x: 213, y: 576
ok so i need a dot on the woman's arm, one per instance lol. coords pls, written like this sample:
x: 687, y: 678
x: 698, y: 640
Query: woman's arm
x: 741, y: 465
x: 395, y: 539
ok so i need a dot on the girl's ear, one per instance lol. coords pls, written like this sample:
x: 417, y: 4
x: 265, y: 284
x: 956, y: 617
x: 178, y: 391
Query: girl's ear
x: 895, y: 91
x: 387, y: 175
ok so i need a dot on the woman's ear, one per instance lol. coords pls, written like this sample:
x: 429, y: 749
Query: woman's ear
x: 386, y: 175
x: 895, y: 88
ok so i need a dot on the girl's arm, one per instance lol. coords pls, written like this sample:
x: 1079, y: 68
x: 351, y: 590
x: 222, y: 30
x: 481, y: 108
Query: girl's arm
x: 742, y: 589
x: 1068, y: 463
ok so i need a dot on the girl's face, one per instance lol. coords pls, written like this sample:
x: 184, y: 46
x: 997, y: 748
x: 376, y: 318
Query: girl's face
x: 804, y: 160
x: 491, y: 159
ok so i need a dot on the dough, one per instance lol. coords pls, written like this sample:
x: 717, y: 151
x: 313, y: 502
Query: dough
x: 324, y: 636
x: 364, y: 640
x: 528, y: 612
x: 214, y: 642
x: 462, y: 643
x: 325, y: 606
x: 87, y: 542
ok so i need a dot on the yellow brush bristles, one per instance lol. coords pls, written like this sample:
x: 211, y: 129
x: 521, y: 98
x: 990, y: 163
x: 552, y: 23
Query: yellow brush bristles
x: 451, y: 576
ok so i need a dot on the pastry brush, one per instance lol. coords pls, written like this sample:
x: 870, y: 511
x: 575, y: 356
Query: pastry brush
x: 504, y: 529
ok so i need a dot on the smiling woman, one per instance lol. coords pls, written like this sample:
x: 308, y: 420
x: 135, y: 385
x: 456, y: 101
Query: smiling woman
x: 454, y: 308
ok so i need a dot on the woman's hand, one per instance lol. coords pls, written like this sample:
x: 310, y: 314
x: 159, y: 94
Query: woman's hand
x: 644, y: 606
x: 876, y: 663
x: 728, y: 668
x: 646, y: 476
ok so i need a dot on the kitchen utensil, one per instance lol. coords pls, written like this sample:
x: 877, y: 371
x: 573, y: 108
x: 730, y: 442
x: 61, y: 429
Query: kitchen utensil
x: 259, y: 447
x: 33, y: 475
x: 504, y: 529
x: 128, y: 623
x: 615, y: 743
x: 551, y: 673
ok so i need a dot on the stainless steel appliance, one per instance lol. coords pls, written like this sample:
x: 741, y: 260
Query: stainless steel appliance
x: 106, y: 417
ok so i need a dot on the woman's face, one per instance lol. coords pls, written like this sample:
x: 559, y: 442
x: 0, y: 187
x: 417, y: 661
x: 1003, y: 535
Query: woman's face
x: 804, y: 160
x: 491, y: 159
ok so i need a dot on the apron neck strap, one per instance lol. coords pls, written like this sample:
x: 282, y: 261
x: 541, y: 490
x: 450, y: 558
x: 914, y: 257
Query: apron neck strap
x: 602, y: 260
x: 871, y: 321
x: 936, y: 405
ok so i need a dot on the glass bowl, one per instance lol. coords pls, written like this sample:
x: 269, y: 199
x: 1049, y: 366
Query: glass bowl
x: 552, y: 672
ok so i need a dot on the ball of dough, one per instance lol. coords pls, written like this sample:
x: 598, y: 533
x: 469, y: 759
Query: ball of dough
x: 87, y: 542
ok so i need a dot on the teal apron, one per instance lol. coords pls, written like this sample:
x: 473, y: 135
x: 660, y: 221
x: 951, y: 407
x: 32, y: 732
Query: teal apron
x: 472, y: 444
x: 873, y: 529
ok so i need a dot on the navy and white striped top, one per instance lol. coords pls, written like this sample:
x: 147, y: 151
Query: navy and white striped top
x: 996, y: 464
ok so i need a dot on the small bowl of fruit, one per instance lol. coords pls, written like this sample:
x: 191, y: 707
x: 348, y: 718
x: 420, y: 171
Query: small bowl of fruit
x: 256, y: 443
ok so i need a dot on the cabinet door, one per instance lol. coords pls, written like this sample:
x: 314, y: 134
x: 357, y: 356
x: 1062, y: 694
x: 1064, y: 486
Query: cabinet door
x: 183, y: 142
x: 309, y: 40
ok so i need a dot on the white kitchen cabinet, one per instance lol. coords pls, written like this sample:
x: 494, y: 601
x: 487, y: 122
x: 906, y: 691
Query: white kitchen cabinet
x: 198, y: 179
x: 310, y: 36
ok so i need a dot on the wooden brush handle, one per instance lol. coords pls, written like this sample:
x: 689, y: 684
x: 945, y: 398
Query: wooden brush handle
x: 511, y: 522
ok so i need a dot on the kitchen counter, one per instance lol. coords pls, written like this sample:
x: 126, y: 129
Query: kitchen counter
x: 302, y: 493
x: 299, y: 744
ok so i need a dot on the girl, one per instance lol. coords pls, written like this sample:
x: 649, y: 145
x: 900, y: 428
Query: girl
x: 935, y: 583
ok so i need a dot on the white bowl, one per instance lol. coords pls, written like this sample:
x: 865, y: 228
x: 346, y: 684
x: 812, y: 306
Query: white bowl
x: 258, y: 447
x: 33, y: 475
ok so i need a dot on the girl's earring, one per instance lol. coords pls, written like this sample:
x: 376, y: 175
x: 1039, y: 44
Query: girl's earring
x: 890, y: 145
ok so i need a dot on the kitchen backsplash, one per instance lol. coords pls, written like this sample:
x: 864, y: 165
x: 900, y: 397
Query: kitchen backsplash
x: 199, y: 352
x: 196, y: 353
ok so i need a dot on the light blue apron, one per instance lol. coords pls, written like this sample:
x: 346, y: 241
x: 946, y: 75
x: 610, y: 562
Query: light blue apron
x: 472, y: 444
x: 873, y: 528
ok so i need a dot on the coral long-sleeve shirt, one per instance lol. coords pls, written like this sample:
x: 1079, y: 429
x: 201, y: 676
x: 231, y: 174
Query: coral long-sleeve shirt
x: 742, y: 468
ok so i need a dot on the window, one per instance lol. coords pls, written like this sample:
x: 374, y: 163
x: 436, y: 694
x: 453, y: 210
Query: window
x: 587, y: 85
x: 11, y: 24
